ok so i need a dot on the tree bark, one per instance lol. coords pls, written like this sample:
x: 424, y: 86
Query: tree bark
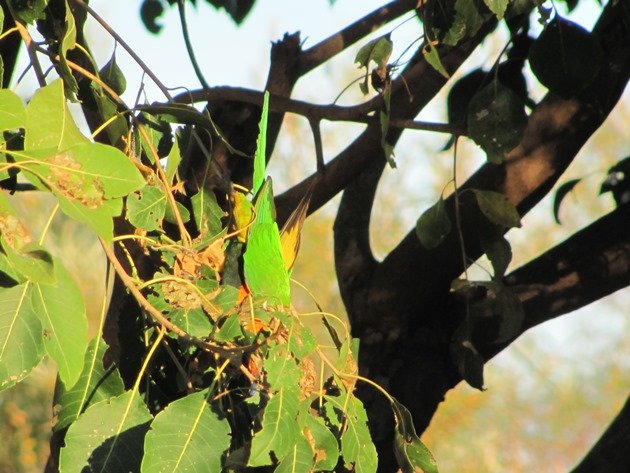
x: 610, y: 454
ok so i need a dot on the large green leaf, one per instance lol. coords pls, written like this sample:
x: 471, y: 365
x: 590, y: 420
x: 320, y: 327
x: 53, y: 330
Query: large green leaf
x: 31, y: 262
x: 282, y: 371
x: 21, y: 343
x: 49, y: 123
x: 98, y: 219
x: 87, y: 172
x: 412, y: 455
x: 356, y: 442
x: 299, y: 458
x: 187, y: 436
x: 12, y: 110
x: 323, y: 443
x: 279, y: 428
x: 146, y: 208
x: 94, y: 385
x: 61, y: 311
x: 193, y: 321
x: 108, y: 437
x: 207, y: 212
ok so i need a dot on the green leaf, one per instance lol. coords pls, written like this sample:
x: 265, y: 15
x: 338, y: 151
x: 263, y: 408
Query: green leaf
x: 496, y: 120
x: 230, y: 331
x: 68, y: 42
x: 31, y: 262
x: 187, y: 436
x: 323, y: 443
x: 107, y: 108
x: 194, y: 321
x: 146, y: 208
x: 169, y: 215
x: 61, y: 311
x: 561, y: 193
x: 279, y: 428
x: 469, y: 362
x: 433, y: 225
x: 378, y: 50
x: 432, y: 56
x: 356, y: 443
x: 497, y: 208
x: 207, y: 212
x: 12, y: 110
x: 468, y: 20
x: 173, y: 161
x: 21, y: 343
x: 108, y: 437
x: 111, y: 74
x: 95, y: 384
x: 282, y: 370
x: 412, y: 455
x: 49, y: 124
x: 30, y: 11
x: 498, y: 251
x: 497, y: 7
x: 299, y: 458
x: 260, y: 160
x: 226, y: 299
x: 565, y: 57
x: 87, y: 172
x: 11, y: 228
x: 98, y: 219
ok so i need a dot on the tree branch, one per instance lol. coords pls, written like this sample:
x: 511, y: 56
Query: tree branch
x: 590, y: 265
x: 610, y: 453
x: 556, y: 131
x: 330, y: 47
x: 424, y: 82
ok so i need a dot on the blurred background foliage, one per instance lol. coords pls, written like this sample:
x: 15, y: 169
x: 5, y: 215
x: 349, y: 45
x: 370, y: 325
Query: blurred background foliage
x: 549, y: 396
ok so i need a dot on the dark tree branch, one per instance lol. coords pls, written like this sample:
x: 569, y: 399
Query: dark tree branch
x: 610, y: 454
x: 590, y: 265
x: 556, y: 131
x: 424, y: 82
x: 330, y: 47
x: 362, y: 113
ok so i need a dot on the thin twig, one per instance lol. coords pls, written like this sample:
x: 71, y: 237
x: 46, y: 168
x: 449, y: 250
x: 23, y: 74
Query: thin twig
x: 189, y: 47
x: 30, y: 48
x: 127, y: 48
x: 319, y: 152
